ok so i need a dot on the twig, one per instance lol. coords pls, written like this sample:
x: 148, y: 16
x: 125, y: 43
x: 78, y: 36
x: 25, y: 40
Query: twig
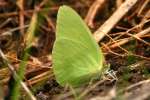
x: 9, y: 32
x: 91, y: 88
x: 109, y: 96
x: 5, y: 22
x: 38, y: 78
x: 145, y: 19
x: 50, y: 23
x: 42, y: 3
x: 2, y: 15
x: 146, y: 58
x: 109, y: 50
x: 135, y: 85
x: 5, y: 73
x: 126, y: 40
x: 138, y: 38
x: 15, y: 75
x: 112, y: 21
x: 142, y: 88
x: 137, y: 64
x: 143, y: 6
x: 118, y: 3
x: 92, y: 12
x: 20, y: 4
x: 118, y: 45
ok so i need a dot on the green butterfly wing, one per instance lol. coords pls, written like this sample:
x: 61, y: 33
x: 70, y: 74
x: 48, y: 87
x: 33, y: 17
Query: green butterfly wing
x: 76, y: 56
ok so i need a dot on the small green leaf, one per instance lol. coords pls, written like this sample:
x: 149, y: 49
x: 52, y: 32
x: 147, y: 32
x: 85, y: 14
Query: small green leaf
x: 77, y: 57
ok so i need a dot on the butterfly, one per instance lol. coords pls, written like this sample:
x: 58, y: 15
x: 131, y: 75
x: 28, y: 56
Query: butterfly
x: 76, y: 56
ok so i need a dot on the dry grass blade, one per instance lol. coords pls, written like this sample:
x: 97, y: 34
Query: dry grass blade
x: 41, y: 77
x: 110, y: 95
x: 92, y: 12
x: 31, y: 11
x: 20, y: 4
x: 143, y: 6
x: 16, y: 76
x: 9, y: 32
x: 135, y: 85
x: 125, y: 40
x: 118, y: 3
x: 112, y: 21
x: 50, y: 23
x: 86, y: 91
x: 30, y: 33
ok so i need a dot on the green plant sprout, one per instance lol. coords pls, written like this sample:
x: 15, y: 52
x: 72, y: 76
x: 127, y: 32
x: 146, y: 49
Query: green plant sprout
x: 15, y: 91
x: 77, y: 57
